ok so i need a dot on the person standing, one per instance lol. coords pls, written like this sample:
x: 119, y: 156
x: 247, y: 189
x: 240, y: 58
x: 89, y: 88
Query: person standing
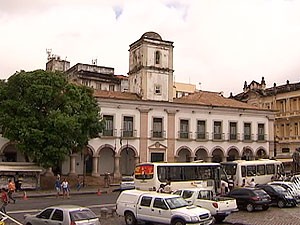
x: 11, y: 189
x: 4, y: 200
x: 167, y: 188
x: 252, y: 183
x: 65, y: 188
x: 57, y: 186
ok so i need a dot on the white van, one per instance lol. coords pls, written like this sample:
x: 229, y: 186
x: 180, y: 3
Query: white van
x: 155, y: 207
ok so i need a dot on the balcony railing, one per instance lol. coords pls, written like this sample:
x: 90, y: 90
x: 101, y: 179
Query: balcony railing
x: 248, y: 137
x: 158, y: 134
x: 184, y: 135
x: 233, y: 137
x: 201, y: 136
x: 128, y: 133
x: 218, y: 136
x: 261, y: 137
x: 109, y: 133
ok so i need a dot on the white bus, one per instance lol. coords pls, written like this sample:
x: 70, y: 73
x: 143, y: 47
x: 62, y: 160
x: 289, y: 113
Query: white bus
x: 149, y: 176
x: 262, y: 170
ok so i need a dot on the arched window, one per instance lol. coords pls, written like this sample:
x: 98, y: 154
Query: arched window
x: 157, y: 57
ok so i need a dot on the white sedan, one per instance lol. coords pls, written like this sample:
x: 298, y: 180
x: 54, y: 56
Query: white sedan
x: 63, y: 215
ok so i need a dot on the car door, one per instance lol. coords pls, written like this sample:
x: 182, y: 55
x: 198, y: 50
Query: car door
x: 57, y: 218
x: 240, y: 195
x: 160, y: 211
x: 144, y: 210
x: 42, y: 218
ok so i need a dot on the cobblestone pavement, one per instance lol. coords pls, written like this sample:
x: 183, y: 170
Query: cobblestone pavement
x: 273, y: 216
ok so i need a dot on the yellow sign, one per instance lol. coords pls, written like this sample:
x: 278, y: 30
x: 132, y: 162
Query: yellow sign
x: 2, y: 223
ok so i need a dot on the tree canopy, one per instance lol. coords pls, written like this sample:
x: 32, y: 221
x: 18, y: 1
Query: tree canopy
x: 47, y: 117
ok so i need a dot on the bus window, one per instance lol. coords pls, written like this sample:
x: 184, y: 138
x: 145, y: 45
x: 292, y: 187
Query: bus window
x: 175, y: 173
x: 271, y: 169
x: 243, y: 168
x: 251, y: 171
x: 190, y: 173
x: 261, y: 170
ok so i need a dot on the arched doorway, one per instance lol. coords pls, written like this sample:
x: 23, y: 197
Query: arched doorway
x: 261, y: 154
x: 184, y: 155
x: 11, y: 154
x: 201, y: 154
x: 87, y: 161
x: 247, y: 154
x: 233, y: 154
x: 217, y: 155
x: 106, y: 160
x: 127, y: 161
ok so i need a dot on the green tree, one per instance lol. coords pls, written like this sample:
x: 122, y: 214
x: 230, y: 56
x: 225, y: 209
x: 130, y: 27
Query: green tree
x: 47, y: 117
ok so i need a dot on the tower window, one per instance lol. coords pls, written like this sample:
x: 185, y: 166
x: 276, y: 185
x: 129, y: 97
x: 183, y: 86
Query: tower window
x: 157, y: 89
x: 157, y: 57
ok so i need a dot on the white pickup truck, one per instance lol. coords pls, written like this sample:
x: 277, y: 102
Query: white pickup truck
x: 155, y: 208
x: 219, y: 207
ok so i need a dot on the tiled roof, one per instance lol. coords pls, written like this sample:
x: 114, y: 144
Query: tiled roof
x: 212, y: 99
x: 116, y: 95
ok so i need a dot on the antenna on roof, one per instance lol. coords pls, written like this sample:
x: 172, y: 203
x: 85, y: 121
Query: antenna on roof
x: 94, y: 61
x: 48, y: 51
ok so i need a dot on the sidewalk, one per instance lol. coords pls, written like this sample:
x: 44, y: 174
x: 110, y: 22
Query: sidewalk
x: 48, y: 193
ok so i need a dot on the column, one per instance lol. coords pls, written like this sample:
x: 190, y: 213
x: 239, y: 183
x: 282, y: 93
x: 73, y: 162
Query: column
x: 208, y: 159
x: 72, y: 165
x: 136, y: 160
x: 171, y: 138
x: 117, y: 173
x: 144, y: 133
x: 95, y: 166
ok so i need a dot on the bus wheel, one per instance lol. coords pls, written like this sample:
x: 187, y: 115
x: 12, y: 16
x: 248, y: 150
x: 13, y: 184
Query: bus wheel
x: 281, y: 203
x: 130, y: 218
x: 249, y: 207
x: 178, y: 222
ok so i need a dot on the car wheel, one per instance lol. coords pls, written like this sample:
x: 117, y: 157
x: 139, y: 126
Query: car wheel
x: 265, y: 207
x: 281, y: 203
x: 249, y: 207
x: 178, y: 222
x: 220, y: 219
x: 130, y: 218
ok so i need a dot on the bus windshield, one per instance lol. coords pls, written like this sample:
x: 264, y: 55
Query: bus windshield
x: 230, y: 168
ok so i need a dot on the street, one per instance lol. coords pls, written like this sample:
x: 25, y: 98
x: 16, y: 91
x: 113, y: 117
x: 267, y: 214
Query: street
x: 274, y: 216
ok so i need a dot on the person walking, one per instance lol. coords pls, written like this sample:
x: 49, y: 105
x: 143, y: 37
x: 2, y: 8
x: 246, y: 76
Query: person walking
x: 79, y: 183
x: 4, y: 200
x: 11, y: 189
x: 167, y: 188
x: 65, y: 188
x: 57, y: 186
x: 252, y: 183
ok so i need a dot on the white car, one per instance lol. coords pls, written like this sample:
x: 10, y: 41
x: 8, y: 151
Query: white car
x: 63, y: 215
x: 127, y: 182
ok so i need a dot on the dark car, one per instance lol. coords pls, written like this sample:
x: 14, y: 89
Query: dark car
x: 279, y: 196
x: 250, y: 198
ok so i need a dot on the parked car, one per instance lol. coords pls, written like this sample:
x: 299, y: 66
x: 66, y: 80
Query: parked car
x: 279, y: 195
x: 290, y: 187
x: 159, y: 208
x: 127, y: 182
x: 219, y: 207
x: 250, y: 198
x: 63, y: 215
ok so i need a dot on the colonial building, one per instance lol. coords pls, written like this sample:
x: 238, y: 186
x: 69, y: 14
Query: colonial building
x: 147, y: 123
x: 285, y: 99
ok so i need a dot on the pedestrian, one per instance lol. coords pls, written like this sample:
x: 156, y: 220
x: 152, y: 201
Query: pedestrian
x: 224, y: 189
x: 244, y: 183
x: 11, y: 189
x: 161, y: 188
x: 65, y: 188
x: 167, y: 188
x: 57, y: 186
x: 252, y: 183
x: 79, y: 183
x: 4, y: 200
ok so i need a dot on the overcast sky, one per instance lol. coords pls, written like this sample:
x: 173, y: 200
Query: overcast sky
x: 218, y: 43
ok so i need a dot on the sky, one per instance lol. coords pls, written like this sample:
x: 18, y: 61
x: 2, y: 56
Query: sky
x: 218, y: 44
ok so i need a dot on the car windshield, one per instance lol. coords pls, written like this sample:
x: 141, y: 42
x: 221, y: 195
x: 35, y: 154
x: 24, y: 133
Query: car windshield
x: 177, y: 202
x: 260, y: 192
x: 84, y: 214
x: 279, y: 189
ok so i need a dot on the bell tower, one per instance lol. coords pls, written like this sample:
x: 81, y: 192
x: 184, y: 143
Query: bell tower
x: 151, y: 68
